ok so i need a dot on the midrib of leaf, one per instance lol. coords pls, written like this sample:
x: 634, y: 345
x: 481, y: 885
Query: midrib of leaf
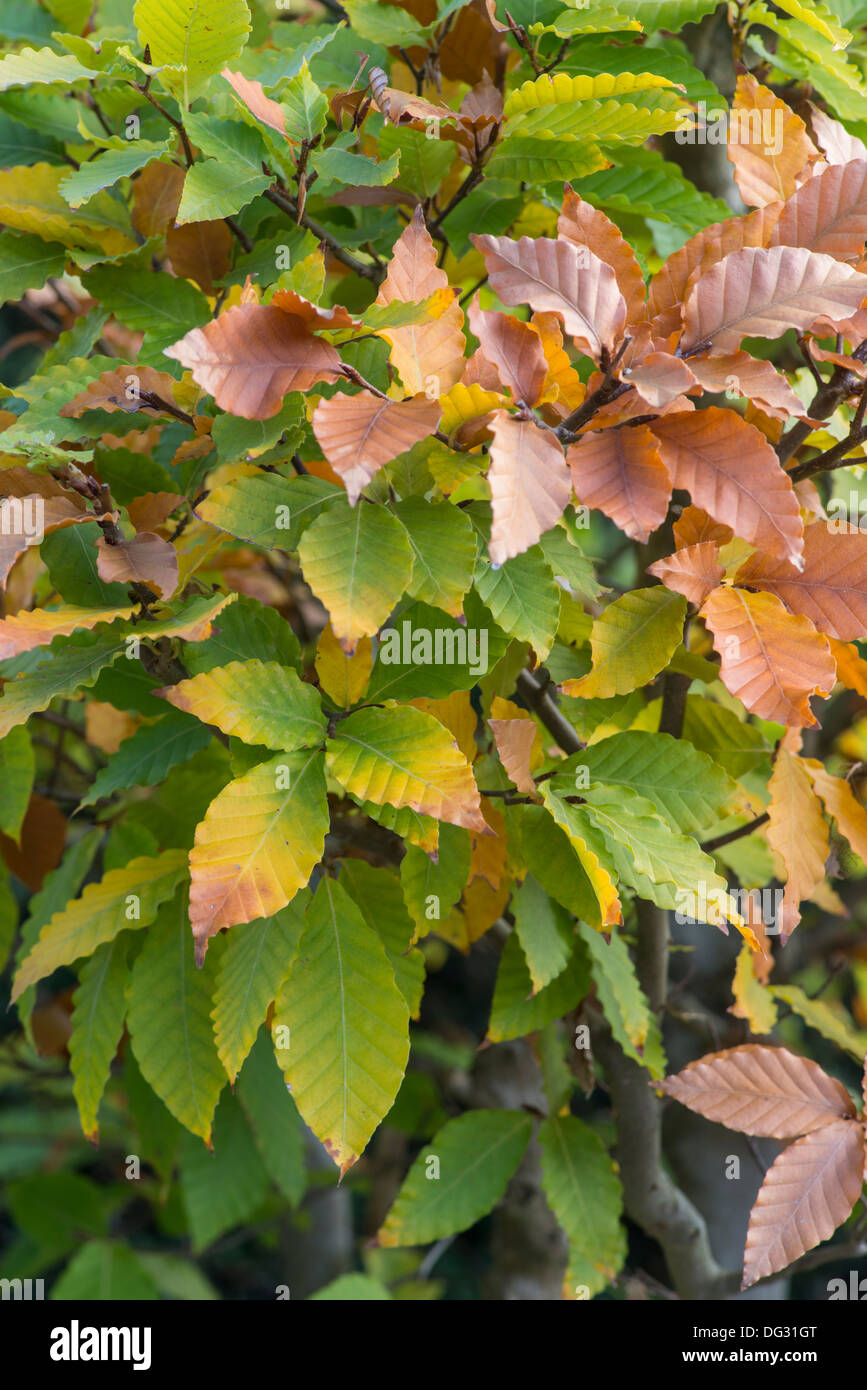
x: 354, y: 563
x: 91, y: 1014
x: 326, y: 884
x: 241, y: 1013
x: 392, y: 762
x: 483, y: 1157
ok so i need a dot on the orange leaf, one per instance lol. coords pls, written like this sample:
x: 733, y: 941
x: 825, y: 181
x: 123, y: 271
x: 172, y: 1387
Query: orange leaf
x: 359, y: 434
x: 561, y: 278
x: 151, y: 509
x: 766, y: 1091
x: 694, y: 526
x: 311, y: 314
x: 808, y: 1191
x: 747, y: 376
x: 429, y: 356
x: 776, y: 150
x: 797, y: 831
x: 770, y: 659
x: 253, y: 96
x: 251, y: 356
x: 514, y: 739
x: 620, y: 472
x: 851, y: 666
x: 841, y: 803
x: 763, y: 293
x: 571, y: 389
x: 515, y: 351
x: 831, y: 590
x: 585, y: 225
x: 146, y: 559
x: 530, y: 485
x: 729, y: 469
x: 694, y: 571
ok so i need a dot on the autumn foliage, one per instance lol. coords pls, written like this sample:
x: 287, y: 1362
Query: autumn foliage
x: 431, y: 536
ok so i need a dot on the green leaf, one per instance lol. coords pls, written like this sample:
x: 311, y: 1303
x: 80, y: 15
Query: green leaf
x: 159, y: 305
x: 580, y: 1182
x: 343, y: 166
x: 353, y: 1288
x: 623, y: 1002
x: 476, y: 1155
x: 403, y: 756
x: 377, y: 894
x: 516, y: 1010
x: 444, y: 552
x: 198, y: 36
x: 567, y: 561
x: 358, y: 562
x: 17, y: 771
x: 717, y: 731
x: 544, y: 931
x: 304, y: 105
x: 8, y: 917
x: 97, y: 1025
x: 27, y: 263
x: 214, y: 188
x: 245, y: 631
x: 349, y: 1026
x: 273, y: 1119
x: 431, y: 888
x: 107, y: 168
x: 827, y: 1016
x: 169, y: 1022
x: 260, y: 702
x: 267, y: 509
x: 552, y: 860
x: 370, y: 20
x: 424, y: 163
x: 177, y: 1278
x: 523, y: 598
x: 427, y: 652
x: 224, y: 1188
x: 535, y: 160
x: 102, y: 1271
x: 645, y: 184
x: 144, y: 759
x: 686, y: 787
x: 255, y: 962
x: 236, y: 438
x: 43, y: 66
x: 125, y: 899
x: 59, y: 887
x: 632, y: 640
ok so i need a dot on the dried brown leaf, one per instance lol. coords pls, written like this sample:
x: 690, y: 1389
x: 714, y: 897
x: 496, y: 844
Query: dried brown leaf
x: 359, y: 434
x: 429, y: 356
x: 694, y: 571
x: 831, y: 589
x: 798, y: 832
x: 515, y: 351
x: 585, y: 225
x: 145, y: 559
x: 766, y: 171
x: 530, y: 485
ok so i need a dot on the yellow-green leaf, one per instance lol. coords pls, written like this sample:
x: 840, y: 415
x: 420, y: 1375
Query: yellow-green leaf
x: 257, y: 701
x: 632, y: 640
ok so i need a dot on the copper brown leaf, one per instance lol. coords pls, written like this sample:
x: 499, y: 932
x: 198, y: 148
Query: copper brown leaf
x: 808, y: 1191
x: 694, y: 571
x: 620, y: 472
x: 797, y: 832
x: 743, y: 375
x: 831, y: 590
x: 252, y: 94
x: 145, y: 559
x: 730, y: 470
x: 763, y: 293
x: 251, y: 356
x: 560, y: 278
x: 358, y: 434
x: 514, y: 739
x: 122, y: 388
x: 772, y: 660
x: 530, y: 485
x: 829, y: 213
x: 429, y: 356
x: 766, y: 1091
x: 694, y: 525
x: 585, y: 225
x: 514, y: 349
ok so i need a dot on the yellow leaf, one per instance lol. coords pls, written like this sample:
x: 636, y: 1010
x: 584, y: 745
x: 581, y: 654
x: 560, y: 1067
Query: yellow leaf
x: 343, y: 678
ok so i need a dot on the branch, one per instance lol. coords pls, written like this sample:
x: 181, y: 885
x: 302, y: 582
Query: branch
x: 737, y: 834
x: 540, y: 702
x: 832, y: 458
x: 287, y: 203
